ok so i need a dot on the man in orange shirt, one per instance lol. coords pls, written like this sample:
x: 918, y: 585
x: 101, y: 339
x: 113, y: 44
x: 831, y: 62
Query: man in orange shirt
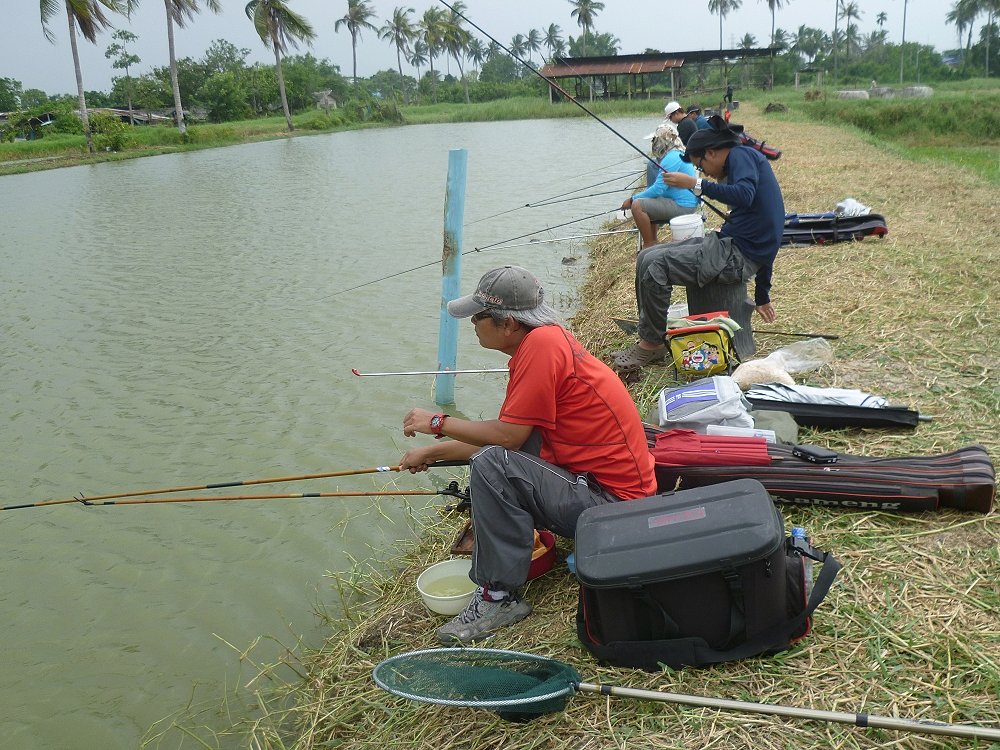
x: 568, y: 437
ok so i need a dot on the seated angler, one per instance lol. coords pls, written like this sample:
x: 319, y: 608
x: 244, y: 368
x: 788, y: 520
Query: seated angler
x: 743, y: 248
x: 568, y: 437
x: 659, y: 203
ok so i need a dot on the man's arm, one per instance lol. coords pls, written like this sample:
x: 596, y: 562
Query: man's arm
x: 467, y: 438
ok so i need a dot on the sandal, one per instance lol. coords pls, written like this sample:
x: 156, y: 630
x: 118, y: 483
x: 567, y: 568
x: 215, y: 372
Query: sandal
x: 637, y: 357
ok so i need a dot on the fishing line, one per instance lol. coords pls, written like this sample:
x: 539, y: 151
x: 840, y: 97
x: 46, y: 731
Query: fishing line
x: 572, y: 237
x: 547, y: 201
x: 466, y: 252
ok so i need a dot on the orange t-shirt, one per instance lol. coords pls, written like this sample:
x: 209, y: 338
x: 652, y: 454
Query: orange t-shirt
x: 588, y: 421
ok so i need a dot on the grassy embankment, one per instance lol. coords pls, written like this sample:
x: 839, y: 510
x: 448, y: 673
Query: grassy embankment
x: 911, y: 627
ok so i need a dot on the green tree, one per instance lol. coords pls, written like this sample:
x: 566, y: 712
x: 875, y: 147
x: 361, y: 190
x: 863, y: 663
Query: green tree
x: 963, y: 16
x: 226, y: 97
x: 417, y: 55
x: 773, y: 6
x: 850, y: 11
x: 358, y: 17
x: 432, y: 30
x: 278, y: 26
x: 89, y: 17
x: 122, y: 59
x: 10, y: 95
x: 553, y: 40
x: 534, y: 42
x: 399, y: 32
x: 180, y: 12
x: 723, y: 8
x: 225, y: 57
x: 476, y: 52
x: 33, y: 98
x: 456, y: 40
x: 585, y: 11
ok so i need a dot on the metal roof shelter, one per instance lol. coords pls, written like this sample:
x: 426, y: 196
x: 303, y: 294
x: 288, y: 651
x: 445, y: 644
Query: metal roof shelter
x: 600, y: 69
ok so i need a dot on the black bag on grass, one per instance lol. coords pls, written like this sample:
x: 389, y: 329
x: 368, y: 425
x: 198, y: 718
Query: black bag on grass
x: 693, y: 578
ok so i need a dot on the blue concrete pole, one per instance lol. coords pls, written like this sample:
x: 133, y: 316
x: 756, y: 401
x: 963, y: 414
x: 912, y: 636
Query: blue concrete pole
x: 451, y: 274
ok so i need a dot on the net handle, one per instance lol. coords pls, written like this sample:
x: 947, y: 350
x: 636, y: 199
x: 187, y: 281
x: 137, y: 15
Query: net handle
x: 792, y: 712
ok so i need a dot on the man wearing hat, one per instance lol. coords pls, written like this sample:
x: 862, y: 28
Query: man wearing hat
x: 688, y: 125
x: 568, y: 437
x: 744, y: 247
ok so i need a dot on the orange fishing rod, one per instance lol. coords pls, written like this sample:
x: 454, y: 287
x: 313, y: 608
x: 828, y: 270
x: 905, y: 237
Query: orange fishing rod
x: 220, y: 485
x: 288, y: 496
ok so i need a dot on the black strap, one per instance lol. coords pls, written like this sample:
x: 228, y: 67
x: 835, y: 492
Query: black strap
x: 737, y: 607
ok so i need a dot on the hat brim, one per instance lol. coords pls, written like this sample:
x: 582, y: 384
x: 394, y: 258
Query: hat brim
x: 465, y: 307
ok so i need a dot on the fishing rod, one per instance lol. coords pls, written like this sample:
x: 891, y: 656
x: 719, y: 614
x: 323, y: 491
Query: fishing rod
x: 423, y: 372
x: 220, y: 485
x: 451, y: 491
x: 565, y: 93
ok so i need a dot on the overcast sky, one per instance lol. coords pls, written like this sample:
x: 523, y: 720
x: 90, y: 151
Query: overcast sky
x: 27, y: 57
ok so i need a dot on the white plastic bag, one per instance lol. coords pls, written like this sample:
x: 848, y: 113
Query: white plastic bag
x: 802, y: 356
x: 694, y: 406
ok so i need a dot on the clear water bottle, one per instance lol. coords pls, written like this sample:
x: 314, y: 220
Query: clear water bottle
x: 801, y: 542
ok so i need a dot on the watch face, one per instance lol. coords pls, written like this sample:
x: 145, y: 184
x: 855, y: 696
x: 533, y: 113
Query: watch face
x: 436, y: 422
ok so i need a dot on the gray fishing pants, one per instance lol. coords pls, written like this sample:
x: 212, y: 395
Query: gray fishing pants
x: 697, y: 261
x: 513, y: 493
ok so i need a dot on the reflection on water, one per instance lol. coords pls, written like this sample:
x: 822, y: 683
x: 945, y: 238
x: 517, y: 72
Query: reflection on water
x: 176, y: 320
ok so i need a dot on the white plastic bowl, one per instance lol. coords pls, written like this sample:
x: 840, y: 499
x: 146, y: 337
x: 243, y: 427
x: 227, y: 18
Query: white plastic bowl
x: 455, y: 571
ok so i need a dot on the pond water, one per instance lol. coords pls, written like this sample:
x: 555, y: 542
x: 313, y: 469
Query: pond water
x: 179, y: 320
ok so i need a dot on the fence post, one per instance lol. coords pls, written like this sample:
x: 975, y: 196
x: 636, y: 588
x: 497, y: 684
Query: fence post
x: 451, y: 274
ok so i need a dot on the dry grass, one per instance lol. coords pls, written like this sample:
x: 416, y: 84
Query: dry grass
x: 911, y: 627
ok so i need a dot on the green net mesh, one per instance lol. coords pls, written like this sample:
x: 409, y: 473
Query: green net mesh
x: 479, y: 678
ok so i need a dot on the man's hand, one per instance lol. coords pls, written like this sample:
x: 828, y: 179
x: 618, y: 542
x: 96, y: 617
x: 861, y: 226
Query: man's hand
x: 417, y: 420
x: 679, y: 179
x: 626, y: 204
x: 417, y: 459
x: 767, y: 312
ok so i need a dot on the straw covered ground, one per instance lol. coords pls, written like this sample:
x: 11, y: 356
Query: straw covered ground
x: 912, y: 626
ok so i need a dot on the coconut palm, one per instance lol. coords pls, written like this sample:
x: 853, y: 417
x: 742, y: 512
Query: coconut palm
x: 180, y: 12
x: 902, y: 40
x: 400, y: 32
x: 89, y: 17
x: 963, y: 15
x: 723, y: 8
x: 585, y: 11
x: 533, y: 42
x: 553, y: 40
x: 773, y: 5
x: 476, y: 52
x: 417, y: 55
x: 358, y: 16
x: 432, y: 26
x: 455, y: 40
x: 881, y: 19
x: 835, y: 37
x: 279, y: 27
x: 850, y: 11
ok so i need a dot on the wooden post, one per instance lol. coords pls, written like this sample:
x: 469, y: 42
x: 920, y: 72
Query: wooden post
x: 451, y: 274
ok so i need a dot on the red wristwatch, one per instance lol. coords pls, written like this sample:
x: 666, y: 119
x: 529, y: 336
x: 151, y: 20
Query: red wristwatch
x: 437, y: 422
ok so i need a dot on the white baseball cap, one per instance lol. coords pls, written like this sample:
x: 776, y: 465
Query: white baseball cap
x: 671, y: 108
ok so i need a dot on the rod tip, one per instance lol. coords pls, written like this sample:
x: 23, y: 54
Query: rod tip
x: 355, y: 371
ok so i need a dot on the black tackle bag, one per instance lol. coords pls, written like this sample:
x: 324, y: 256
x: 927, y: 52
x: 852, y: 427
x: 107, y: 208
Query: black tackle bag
x: 693, y: 578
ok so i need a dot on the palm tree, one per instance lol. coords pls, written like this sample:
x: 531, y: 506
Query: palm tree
x: 723, y: 8
x: 902, y: 44
x: 552, y: 39
x: 278, y: 26
x: 399, y: 31
x: 417, y: 56
x: 180, y: 12
x: 835, y: 37
x: 963, y: 15
x: 773, y: 5
x: 849, y: 11
x: 880, y: 19
x: 431, y: 27
x: 534, y: 42
x: 476, y: 52
x: 89, y: 16
x: 456, y: 40
x: 584, y: 11
x: 357, y: 18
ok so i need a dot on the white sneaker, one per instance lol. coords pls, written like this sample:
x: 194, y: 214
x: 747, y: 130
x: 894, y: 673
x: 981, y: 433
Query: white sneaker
x: 481, y: 618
